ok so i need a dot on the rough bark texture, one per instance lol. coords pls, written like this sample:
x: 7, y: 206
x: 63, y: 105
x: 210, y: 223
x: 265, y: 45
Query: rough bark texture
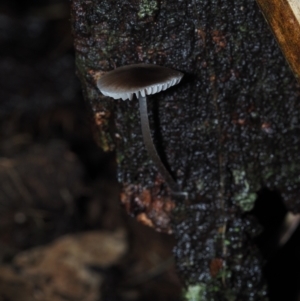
x: 229, y: 128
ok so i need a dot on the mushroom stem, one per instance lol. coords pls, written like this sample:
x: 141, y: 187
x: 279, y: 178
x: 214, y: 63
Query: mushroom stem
x: 151, y: 148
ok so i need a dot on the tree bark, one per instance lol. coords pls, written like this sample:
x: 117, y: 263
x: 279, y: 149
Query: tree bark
x: 230, y: 127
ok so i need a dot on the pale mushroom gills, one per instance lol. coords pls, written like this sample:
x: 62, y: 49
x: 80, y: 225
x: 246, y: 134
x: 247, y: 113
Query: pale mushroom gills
x: 142, y: 80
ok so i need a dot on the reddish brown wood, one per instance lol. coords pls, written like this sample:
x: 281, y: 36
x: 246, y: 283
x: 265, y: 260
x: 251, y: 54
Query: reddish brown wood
x: 283, y: 17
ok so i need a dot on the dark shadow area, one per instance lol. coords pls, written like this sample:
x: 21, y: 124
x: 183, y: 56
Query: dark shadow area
x: 157, y: 137
x: 282, y: 269
x: 57, y: 187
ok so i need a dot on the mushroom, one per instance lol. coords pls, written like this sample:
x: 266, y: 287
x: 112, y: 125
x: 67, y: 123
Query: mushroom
x: 142, y: 80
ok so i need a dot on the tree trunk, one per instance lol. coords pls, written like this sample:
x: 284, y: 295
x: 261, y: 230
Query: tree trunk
x: 230, y: 127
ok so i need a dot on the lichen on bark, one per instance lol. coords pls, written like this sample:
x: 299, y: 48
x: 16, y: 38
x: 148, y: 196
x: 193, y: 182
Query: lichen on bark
x: 229, y: 128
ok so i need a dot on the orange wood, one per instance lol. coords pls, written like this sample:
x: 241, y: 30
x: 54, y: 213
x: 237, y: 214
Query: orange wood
x: 283, y: 17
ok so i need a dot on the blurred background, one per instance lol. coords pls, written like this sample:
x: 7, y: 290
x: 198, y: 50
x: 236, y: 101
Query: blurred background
x: 63, y: 233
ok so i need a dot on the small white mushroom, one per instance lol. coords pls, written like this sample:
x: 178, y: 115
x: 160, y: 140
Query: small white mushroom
x: 142, y: 80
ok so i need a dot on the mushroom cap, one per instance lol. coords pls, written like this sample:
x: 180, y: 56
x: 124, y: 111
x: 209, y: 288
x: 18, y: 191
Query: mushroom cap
x: 145, y: 79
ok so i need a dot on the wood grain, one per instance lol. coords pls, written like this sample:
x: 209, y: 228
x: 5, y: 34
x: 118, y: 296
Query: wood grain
x: 283, y: 17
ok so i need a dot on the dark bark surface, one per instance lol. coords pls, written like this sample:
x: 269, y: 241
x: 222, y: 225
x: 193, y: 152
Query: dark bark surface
x: 228, y: 129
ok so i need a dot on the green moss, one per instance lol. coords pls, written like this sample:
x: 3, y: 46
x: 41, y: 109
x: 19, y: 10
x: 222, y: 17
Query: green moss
x: 195, y: 292
x: 245, y: 196
x: 120, y: 157
x: 147, y: 8
x: 200, y: 185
